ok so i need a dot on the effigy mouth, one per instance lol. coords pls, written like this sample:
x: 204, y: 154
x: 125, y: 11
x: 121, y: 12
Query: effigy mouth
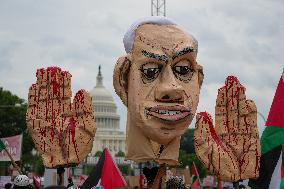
x: 168, y: 113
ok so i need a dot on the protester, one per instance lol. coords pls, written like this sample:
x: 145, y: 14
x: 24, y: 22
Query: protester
x: 70, y: 183
x: 22, y: 182
x: 175, y: 183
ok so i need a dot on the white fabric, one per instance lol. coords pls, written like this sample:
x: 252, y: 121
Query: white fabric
x: 129, y: 36
x: 276, y: 176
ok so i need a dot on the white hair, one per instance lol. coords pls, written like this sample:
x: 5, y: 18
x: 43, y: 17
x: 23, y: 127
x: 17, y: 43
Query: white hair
x: 129, y: 36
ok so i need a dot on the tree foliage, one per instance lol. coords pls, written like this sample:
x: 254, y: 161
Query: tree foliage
x: 187, y: 153
x: 13, y: 119
x: 13, y: 122
x: 186, y: 159
x: 120, y: 154
x: 98, y: 153
x: 186, y: 142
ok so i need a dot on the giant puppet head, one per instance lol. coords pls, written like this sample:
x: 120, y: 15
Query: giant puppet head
x: 159, y: 81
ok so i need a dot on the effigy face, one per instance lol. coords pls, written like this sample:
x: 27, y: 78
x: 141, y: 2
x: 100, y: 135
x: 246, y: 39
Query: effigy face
x: 163, y: 89
x: 159, y: 82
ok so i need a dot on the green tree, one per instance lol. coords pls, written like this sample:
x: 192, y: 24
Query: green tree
x: 98, y: 153
x: 186, y: 159
x: 187, y: 153
x: 120, y: 154
x: 125, y: 169
x: 187, y: 143
x: 38, y: 166
x: 13, y: 122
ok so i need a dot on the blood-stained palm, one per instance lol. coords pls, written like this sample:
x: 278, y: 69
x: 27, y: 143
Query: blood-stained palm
x: 63, y: 132
x: 231, y: 150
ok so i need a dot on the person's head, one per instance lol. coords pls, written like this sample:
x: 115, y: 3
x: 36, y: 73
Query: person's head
x: 175, y: 183
x: 8, y: 186
x: 22, y: 182
x: 159, y: 79
x: 70, y: 180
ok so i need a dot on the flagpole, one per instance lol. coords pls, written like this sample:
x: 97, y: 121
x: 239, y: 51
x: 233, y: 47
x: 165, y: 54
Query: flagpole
x: 13, y: 162
x: 199, y: 181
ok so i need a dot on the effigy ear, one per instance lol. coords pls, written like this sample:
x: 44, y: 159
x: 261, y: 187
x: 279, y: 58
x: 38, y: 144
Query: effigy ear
x: 200, y: 74
x: 120, y: 77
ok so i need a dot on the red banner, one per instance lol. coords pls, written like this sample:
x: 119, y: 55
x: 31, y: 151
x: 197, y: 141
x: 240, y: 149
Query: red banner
x: 14, y: 147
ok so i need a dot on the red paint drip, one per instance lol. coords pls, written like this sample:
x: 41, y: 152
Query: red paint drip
x: 40, y: 71
x: 53, y: 123
x: 208, y: 121
x: 33, y: 87
x: 53, y: 71
x: 80, y: 96
x: 72, y: 127
x: 65, y: 74
x: 72, y: 130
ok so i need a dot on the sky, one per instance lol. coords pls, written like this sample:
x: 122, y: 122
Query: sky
x: 236, y: 37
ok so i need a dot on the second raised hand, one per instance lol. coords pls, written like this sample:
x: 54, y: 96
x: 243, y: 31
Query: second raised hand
x: 231, y: 149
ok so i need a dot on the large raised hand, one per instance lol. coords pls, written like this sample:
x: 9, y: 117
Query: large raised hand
x: 63, y: 132
x: 231, y: 150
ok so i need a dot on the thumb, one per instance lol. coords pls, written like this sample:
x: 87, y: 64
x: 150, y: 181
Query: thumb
x: 84, y: 112
x: 83, y: 103
x: 204, y: 138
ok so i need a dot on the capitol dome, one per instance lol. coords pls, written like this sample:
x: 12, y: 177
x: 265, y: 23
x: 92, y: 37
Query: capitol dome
x: 108, y: 134
x: 99, y: 92
x: 104, y: 107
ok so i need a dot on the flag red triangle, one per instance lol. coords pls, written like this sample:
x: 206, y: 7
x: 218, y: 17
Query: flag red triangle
x: 195, y: 176
x: 194, y: 170
x: 220, y: 185
x: 195, y: 184
x: 276, y: 114
x: 111, y: 177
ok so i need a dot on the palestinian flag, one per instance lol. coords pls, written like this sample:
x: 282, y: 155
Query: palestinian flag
x: 220, y: 185
x: 105, y: 174
x: 71, y: 172
x: 271, y: 144
x: 194, y: 176
x: 2, y: 145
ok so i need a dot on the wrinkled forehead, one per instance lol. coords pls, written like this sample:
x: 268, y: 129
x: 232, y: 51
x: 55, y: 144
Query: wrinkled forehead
x: 166, y: 38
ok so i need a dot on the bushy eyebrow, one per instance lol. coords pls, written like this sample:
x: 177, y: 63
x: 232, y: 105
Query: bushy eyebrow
x: 158, y: 57
x: 184, y: 51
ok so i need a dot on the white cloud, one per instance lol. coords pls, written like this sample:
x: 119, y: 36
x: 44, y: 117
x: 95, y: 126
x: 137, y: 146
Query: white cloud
x: 242, y: 38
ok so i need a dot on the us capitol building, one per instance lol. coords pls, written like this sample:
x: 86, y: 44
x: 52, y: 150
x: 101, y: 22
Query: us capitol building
x: 108, y: 134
